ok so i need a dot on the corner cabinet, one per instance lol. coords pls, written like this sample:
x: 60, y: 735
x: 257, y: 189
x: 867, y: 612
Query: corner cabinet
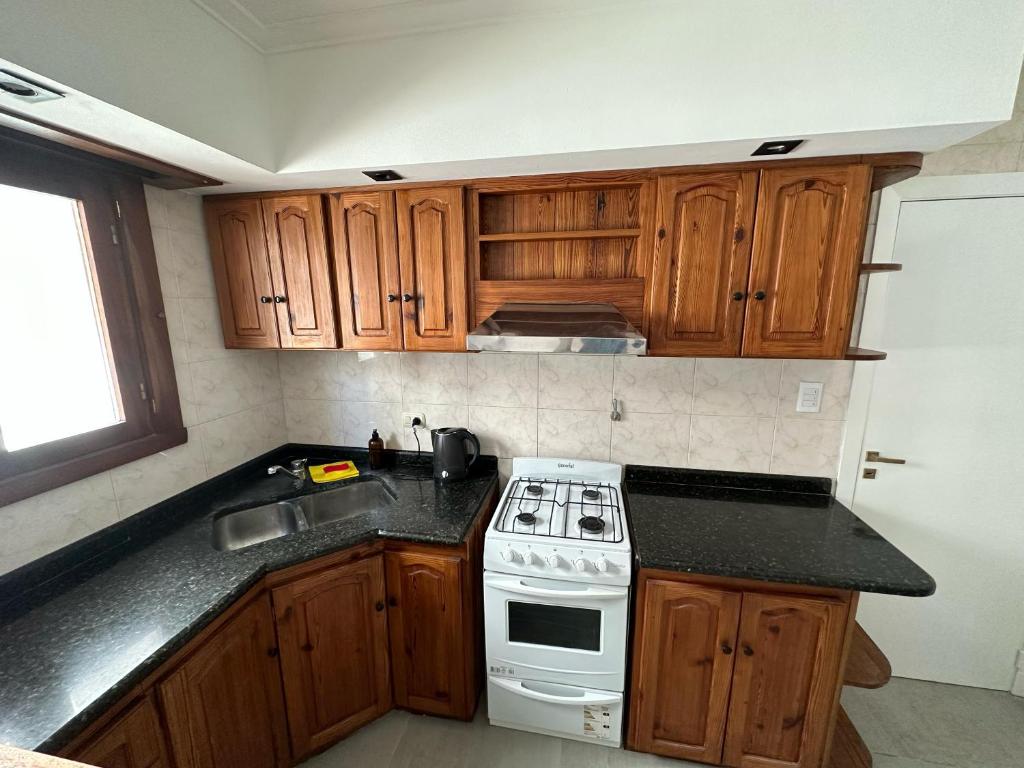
x: 272, y: 273
x: 729, y: 673
x: 134, y: 740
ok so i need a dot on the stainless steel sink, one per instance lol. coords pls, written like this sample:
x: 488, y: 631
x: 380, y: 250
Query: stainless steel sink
x: 235, y: 530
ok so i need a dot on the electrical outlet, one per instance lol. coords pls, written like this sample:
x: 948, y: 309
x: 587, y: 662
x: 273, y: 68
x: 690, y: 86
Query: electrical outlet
x: 808, y: 399
x: 408, y: 417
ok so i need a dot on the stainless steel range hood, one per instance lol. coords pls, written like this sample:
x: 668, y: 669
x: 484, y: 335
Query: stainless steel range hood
x: 587, y: 329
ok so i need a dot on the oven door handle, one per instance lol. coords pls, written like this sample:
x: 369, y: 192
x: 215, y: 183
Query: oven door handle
x: 588, y: 697
x: 590, y: 593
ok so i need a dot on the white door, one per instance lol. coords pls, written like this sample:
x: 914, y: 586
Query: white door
x: 950, y: 400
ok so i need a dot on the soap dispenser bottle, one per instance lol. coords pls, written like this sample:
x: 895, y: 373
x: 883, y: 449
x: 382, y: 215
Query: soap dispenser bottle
x: 376, y: 451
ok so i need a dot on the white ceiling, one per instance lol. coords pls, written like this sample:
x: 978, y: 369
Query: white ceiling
x: 272, y: 26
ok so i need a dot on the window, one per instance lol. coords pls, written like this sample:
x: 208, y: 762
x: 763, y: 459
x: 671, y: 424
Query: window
x: 86, y: 379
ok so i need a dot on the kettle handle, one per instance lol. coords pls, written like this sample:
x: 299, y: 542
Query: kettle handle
x: 469, y: 436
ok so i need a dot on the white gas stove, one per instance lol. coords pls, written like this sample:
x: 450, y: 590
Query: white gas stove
x: 557, y: 569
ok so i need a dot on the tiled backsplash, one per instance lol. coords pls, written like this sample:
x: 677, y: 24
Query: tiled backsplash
x: 709, y: 413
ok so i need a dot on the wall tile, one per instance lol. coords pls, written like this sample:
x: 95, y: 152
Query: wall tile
x: 651, y: 438
x: 44, y: 523
x: 505, y: 432
x: 309, y: 375
x: 193, y: 265
x: 836, y: 375
x: 434, y: 377
x: 573, y: 434
x: 184, y: 212
x: 734, y: 443
x: 503, y: 379
x: 576, y: 382
x: 145, y: 482
x: 654, y: 384
x: 805, y: 447
x: 436, y: 416
x: 730, y: 387
x: 504, y: 473
x: 186, y: 396
x: 314, y: 421
x: 156, y: 207
x: 972, y: 158
x: 369, y: 377
x: 360, y: 419
x: 235, y: 439
x: 1010, y: 131
x: 235, y: 383
x: 166, y: 267
x: 176, y: 330
x: 202, y: 329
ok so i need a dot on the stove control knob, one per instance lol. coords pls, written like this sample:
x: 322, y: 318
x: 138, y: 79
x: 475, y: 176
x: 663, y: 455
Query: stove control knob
x: 602, y: 564
x: 509, y: 555
x: 580, y: 564
x: 527, y: 557
x: 554, y: 561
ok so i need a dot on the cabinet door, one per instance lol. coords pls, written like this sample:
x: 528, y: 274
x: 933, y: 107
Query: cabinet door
x: 682, y: 675
x: 425, y: 622
x: 332, y: 628
x: 134, y: 740
x: 432, y: 252
x: 223, y: 705
x: 702, y: 263
x: 366, y: 265
x: 241, y: 269
x: 297, y: 246
x: 785, y: 680
x: 808, y: 247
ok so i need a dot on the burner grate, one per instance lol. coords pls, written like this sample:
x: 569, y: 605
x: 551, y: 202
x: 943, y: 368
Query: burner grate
x: 568, y: 509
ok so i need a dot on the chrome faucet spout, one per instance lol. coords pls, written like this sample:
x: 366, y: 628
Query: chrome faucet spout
x: 298, y: 469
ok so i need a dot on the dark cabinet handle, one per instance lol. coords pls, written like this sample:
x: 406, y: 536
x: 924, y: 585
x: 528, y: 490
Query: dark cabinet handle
x: 406, y: 297
x: 391, y: 297
x: 393, y: 602
x: 747, y: 650
x: 738, y: 295
x: 726, y: 649
x: 759, y: 295
x: 265, y: 299
x: 271, y: 652
x: 280, y: 299
x: 380, y: 605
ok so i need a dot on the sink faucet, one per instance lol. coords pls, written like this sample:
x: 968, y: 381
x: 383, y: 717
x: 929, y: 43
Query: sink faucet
x: 298, y: 469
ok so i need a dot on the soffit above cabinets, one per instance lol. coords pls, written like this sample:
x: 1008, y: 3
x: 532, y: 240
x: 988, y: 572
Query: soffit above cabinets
x: 271, y: 26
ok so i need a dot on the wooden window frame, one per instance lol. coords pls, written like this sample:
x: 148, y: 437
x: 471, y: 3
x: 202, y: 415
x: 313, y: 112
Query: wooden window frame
x: 131, y: 303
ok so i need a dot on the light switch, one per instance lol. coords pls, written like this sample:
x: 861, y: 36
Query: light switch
x: 808, y: 399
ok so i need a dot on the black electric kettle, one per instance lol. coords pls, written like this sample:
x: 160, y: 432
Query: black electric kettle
x: 451, y: 461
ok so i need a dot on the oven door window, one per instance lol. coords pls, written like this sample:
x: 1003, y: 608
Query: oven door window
x: 555, y: 626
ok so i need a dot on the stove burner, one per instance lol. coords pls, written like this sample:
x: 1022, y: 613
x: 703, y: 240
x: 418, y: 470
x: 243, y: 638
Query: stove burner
x: 591, y: 494
x: 526, y: 518
x: 534, y: 490
x: 591, y: 524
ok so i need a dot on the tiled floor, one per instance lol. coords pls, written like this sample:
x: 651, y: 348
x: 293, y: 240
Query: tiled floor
x: 907, y: 724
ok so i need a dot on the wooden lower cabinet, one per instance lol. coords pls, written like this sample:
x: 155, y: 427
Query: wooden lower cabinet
x: 733, y: 676
x: 223, y: 704
x: 428, y: 648
x: 133, y: 740
x: 332, y: 630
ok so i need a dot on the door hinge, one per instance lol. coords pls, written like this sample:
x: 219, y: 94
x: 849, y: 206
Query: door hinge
x: 113, y: 234
x: 117, y: 208
x: 143, y: 395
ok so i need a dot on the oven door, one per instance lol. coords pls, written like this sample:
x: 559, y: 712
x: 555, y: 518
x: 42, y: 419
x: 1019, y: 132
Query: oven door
x: 556, y: 631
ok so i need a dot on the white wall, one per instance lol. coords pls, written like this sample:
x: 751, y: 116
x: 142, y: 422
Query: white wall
x: 650, y: 75
x: 230, y: 399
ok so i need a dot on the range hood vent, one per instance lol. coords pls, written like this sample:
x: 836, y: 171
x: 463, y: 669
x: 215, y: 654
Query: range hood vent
x: 586, y: 329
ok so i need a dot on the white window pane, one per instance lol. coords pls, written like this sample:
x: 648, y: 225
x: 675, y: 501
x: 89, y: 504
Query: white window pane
x: 56, y: 379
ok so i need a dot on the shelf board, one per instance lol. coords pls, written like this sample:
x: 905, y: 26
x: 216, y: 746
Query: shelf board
x: 873, y: 268
x: 859, y: 353
x: 866, y: 665
x: 577, y: 234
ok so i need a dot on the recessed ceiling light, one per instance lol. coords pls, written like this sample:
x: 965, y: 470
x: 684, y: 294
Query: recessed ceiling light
x: 24, y: 89
x: 783, y: 147
x: 386, y: 175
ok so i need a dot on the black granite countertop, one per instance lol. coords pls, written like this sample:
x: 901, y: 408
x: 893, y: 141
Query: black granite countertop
x: 79, y: 628
x: 762, y: 527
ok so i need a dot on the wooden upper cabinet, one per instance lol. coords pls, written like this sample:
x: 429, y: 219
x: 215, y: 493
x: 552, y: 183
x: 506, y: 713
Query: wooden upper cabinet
x: 683, y: 670
x: 223, y: 704
x: 785, y: 682
x: 425, y: 594
x: 133, y: 740
x: 432, y: 253
x: 701, y: 263
x: 366, y: 266
x: 241, y: 269
x: 332, y: 628
x: 297, y: 247
x: 807, y: 250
